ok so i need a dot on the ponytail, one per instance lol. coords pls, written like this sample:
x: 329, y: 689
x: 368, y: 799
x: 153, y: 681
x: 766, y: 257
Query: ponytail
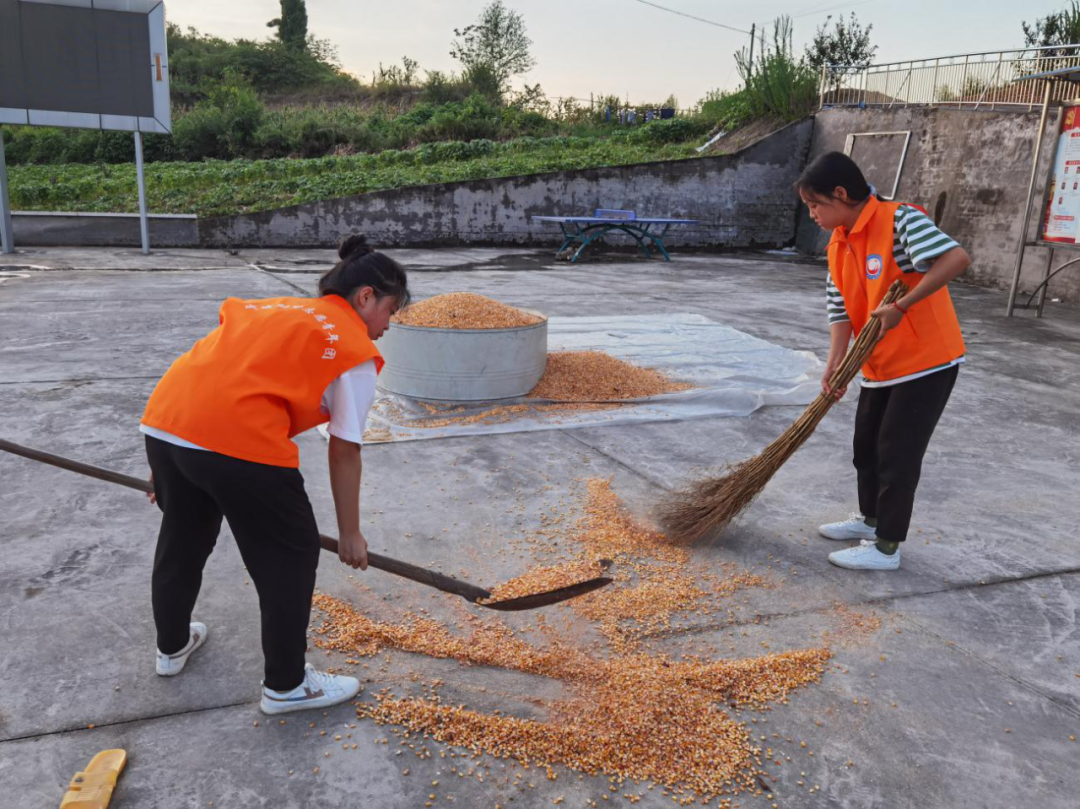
x: 359, y: 267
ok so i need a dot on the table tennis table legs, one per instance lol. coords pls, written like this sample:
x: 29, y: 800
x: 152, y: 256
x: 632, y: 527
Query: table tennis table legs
x: 590, y: 233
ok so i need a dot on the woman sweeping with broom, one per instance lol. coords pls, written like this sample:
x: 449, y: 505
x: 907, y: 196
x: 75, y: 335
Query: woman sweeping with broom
x: 910, y: 373
x: 218, y: 431
x: 888, y: 268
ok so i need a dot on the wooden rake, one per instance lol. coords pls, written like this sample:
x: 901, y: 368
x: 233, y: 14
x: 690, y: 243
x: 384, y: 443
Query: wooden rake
x: 430, y: 578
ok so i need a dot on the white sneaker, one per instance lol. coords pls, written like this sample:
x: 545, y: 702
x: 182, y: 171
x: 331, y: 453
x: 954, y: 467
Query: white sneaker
x: 170, y: 665
x: 854, y: 527
x: 318, y: 690
x: 865, y: 556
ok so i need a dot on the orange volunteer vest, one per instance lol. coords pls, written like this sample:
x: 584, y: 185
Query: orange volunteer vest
x: 862, y: 266
x: 257, y: 380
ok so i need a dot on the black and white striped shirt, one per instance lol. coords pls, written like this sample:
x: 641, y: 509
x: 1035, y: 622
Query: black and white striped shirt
x: 917, y: 241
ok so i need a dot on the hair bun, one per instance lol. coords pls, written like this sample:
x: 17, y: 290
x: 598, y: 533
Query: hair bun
x: 353, y: 246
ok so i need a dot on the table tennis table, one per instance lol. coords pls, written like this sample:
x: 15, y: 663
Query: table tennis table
x: 587, y: 229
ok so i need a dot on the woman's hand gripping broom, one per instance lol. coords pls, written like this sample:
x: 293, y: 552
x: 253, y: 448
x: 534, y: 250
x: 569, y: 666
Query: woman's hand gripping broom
x: 706, y: 507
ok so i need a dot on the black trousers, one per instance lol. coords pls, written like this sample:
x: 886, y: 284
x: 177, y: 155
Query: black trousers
x: 893, y: 426
x: 270, y: 516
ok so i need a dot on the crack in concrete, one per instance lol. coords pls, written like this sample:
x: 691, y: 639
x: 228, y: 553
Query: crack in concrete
x: 1065, y: 706
x: 78, y: 379
x: 283, y: 280
x: 615, y: 460
x: 700, y: 628
x: 1071, y: 709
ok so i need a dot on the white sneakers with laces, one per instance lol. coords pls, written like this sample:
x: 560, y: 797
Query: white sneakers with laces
x: 853, y: 528
x: 171, y: 665
x: 318, y: 690
x: 865, y: 556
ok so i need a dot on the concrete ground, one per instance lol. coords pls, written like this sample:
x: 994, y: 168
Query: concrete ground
x: 968, y: 695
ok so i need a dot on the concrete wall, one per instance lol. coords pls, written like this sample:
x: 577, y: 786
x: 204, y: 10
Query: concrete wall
x: 47, y: 229
x: 970, y: 170
x: 741, y: 200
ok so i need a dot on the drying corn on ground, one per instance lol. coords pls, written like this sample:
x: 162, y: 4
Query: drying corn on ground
x: 464, y: 310
x: 973, y: 672
x: 584, y: 376
x: 574, y: 382
x: 629, y: 712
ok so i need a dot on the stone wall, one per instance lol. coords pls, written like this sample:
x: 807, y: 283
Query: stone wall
x: 52, y: 229
x: 742, y: 200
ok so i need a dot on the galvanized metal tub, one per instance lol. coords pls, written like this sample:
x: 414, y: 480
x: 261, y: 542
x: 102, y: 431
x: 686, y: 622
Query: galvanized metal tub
x: 463, y: 365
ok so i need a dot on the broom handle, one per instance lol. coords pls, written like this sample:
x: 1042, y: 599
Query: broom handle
x: 421, y: 575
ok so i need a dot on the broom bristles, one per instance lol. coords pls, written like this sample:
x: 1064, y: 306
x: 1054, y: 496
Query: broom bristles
x: 708, y: 506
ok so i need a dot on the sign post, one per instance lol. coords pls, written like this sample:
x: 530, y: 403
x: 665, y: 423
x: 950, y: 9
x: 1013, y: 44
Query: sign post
x: 7, y: 238
x: 144, y: 228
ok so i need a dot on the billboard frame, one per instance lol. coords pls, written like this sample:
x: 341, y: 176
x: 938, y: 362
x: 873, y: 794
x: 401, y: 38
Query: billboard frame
x: 160, y: 121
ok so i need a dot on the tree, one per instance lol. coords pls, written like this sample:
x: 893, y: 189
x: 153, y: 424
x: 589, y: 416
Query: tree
x: 291, y: 25
x: 847, y: 44
x: 1059, y: 28
x: 496, y: 42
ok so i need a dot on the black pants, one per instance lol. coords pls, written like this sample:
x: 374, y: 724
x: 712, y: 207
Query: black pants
x: 270, y: 516
x: 893, y: 426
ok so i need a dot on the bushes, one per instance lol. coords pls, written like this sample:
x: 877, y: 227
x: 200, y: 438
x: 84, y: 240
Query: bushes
x: 223, y: 125
x: 725, y: 111
x: 779, y: 84
x: 196, y: 59
x: 517, y: 122
x: 441, y: 88
x: 673, y: 130
x: 475, y: 117
x: 231, y: 121
x: 214, y: 187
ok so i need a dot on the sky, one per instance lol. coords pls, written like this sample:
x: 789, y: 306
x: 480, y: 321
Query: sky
x: 622, y: 47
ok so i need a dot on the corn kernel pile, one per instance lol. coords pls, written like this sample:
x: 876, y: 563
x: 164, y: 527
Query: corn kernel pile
x: 584, y: 376
x: 627, y: 712
x: 464, y: 310
x: 544, y: 579
x: 638, y: 716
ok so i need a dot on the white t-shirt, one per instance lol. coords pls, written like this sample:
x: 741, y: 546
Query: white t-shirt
x: 346, y: 402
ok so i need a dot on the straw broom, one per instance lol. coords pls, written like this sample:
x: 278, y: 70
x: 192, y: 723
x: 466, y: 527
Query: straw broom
x: 707, y: 506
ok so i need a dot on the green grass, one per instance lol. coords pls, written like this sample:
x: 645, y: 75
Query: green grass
x: 216, y: 187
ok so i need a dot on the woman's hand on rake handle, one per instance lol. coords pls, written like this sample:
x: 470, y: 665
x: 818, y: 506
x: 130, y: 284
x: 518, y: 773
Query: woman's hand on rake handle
x: 152, y: 495
x: 352, y: 550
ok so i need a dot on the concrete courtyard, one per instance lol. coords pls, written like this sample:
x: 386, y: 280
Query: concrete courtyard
x: 967, y: 696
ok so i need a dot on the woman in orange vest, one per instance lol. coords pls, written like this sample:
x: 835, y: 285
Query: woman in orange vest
x: 908, y: 377
x: 218, y: 431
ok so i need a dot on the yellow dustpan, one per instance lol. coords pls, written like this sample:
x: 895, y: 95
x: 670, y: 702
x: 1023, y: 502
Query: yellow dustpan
x: 93, y: 787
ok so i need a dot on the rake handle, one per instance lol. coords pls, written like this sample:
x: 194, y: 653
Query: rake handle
x: 420, y: 575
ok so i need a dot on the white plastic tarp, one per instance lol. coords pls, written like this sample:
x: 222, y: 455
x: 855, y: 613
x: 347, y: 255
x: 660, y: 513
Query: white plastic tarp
x: 733, y: 372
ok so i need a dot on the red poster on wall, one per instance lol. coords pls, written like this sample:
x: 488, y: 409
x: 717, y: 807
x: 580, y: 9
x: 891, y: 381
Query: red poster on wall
x: 1062, y: 221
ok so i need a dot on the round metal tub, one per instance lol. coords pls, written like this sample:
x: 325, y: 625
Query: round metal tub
x: 463, y: 365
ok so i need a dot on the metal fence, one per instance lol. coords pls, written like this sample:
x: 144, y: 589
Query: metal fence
x: 974, y: 80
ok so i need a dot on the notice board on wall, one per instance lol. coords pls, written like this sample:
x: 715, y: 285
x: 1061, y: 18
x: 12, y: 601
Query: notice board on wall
x: 1061, y: 223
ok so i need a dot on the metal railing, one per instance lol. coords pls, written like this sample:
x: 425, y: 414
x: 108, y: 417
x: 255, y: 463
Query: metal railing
x: 974, y: 80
